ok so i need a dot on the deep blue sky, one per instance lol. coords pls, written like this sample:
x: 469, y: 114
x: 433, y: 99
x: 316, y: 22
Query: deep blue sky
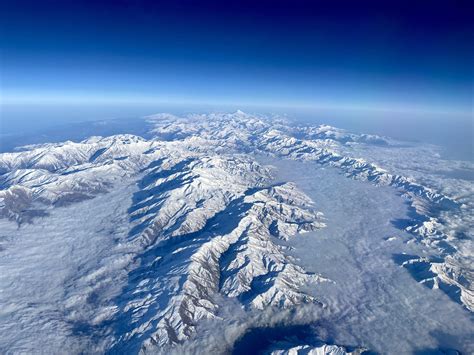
x: 393, y: 55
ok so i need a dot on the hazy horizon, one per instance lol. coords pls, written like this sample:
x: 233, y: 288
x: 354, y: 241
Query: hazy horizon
x: 451, y: 131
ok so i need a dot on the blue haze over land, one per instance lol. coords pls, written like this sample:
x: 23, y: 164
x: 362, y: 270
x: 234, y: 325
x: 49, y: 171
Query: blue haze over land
x: 24, y: 124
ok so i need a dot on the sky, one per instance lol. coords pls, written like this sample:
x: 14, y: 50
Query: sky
x: 387, y: 55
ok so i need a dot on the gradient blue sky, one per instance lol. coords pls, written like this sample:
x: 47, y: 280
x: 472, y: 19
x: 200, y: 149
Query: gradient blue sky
x: 391, y: 55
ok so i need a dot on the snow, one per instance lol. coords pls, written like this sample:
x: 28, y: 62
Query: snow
x: 372, y: 301
x: 310, y: 350
x: 127, y: 244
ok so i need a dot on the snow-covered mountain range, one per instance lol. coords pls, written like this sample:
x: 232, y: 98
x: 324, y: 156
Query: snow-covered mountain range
x: 190, y: 220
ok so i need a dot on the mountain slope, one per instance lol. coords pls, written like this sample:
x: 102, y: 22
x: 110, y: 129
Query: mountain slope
x: 203, y: 222
x: 434, y: 218
x: 199, y: 225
